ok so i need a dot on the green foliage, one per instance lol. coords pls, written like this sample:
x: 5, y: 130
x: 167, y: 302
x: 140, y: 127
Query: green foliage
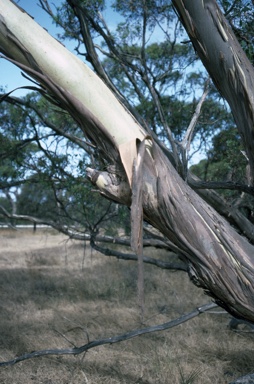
x: 37, y: 199
x: 225, y: 161
x: 240, y: 14
x: 133, y: 11
x: 65, y: 17
x: 16, y: 144
x: 130, y: 31
x: 5, y: 203
x: 49, y: 169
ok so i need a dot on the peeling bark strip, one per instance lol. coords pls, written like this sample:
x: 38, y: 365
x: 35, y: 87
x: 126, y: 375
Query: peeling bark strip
x: 226, y: 62
x: 137, y: 219
x: 220, y: 260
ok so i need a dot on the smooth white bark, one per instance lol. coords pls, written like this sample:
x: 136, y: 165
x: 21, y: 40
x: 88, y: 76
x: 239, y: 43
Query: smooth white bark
x: 17, y: 28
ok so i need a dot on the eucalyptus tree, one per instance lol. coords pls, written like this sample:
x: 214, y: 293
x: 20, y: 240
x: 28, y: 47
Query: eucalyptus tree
x: 169, y: 101
x: 151, y: 176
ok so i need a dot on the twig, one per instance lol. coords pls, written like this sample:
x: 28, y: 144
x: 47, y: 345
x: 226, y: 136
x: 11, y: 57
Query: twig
x: 65, y: 338
x: 113, y: 339
x: 185, y: 144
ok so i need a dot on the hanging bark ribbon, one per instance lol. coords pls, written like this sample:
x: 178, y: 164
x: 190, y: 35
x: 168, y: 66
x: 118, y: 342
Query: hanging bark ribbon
x: 137, y: 218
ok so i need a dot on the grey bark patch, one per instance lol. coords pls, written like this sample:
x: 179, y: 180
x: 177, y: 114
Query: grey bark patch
x: 248, y: 379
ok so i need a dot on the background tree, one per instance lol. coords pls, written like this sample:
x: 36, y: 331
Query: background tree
x: 45, y: 169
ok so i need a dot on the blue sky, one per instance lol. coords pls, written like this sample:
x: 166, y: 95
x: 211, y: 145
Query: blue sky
x: 10, y: 75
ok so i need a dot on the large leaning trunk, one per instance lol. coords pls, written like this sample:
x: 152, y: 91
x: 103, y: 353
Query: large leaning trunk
x: 219, y: 259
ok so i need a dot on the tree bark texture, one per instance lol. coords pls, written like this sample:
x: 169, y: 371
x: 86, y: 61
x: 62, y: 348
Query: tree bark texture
x: 219, y: 259
x: 225, y: 61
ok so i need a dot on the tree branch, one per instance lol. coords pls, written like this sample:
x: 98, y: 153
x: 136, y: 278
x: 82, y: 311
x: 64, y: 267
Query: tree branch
x: 232, y: 214
x: 220, y: 185
x: 185, y: 144
x: 174, y: 265
x: 27, y: 104
x: 111, y: 340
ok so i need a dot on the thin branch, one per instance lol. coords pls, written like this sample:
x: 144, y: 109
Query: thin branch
x: 113, y: 339
x: 156, y: 99
x: 23, y: 103
x: 227, y: 11
x: 115, y: 53
x: 174, y: 265
x: 5, y: 213
x: 16, y: 147
x: 189, y: 133
x: 221, y: 185
x: 232, y: 214
x: 124, y: 64
x: 185, y: 144
x: 76, y: 234
x: 91, y: 55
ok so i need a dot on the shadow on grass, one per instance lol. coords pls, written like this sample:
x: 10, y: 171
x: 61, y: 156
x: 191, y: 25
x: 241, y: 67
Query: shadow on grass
x: 32, y: 299
x: 235, y: 363
x: 40, y: 285
x: 34, y: 302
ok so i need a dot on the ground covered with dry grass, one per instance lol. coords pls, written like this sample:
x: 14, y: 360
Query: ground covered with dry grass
x: 54, y: 294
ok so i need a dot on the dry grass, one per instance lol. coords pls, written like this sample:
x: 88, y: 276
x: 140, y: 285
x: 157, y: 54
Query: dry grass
x: 49, y: 288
